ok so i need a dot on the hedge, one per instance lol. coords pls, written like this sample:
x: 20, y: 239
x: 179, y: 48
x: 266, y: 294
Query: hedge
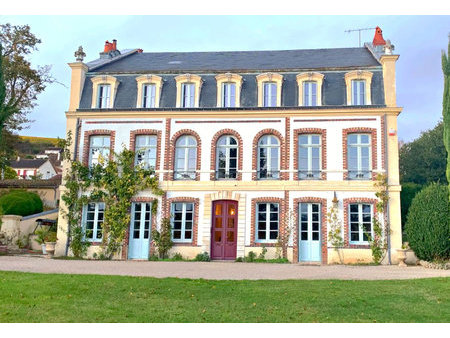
x: 21, y: 202
x: 427, y: 226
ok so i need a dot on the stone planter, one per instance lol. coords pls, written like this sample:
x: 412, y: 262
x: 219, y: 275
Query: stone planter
x: 44, y: 252
x: 401, y: 255
x: 50, y: 248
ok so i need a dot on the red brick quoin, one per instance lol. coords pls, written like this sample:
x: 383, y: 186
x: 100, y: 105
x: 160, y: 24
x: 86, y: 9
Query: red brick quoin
x: 373, y: 142
x: 323, y: 226
x: 347, y: 202
x: 135, y: 133
x: 282, y: 153
x: 213, y: 152
x: 89, y: 133
x: 171, y: 153
x: 166, y: 211
x: 323, y: 150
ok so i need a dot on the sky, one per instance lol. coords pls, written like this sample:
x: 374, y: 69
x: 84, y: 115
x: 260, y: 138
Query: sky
x: 419, y: 40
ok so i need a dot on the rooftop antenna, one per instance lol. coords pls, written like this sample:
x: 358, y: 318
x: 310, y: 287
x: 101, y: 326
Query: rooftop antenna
x: 359, y: 31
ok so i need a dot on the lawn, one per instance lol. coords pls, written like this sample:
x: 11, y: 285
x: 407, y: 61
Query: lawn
x: 29, y: 297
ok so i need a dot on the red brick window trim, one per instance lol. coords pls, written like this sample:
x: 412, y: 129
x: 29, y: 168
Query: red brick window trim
x: 126, y: 241
x: 373, y: 143
x: 323, y: 149
x: 281, y: 219
x: 283, y: 159
x: 149, y: 132
x: 196, y: 202
x: 357, y: 200
x: 171, y: 158
x: 97, y: 132
x: 214, y: 140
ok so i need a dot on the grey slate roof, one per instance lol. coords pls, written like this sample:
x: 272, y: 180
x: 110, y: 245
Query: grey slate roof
x: 28, y: 163
x: 333, y: 63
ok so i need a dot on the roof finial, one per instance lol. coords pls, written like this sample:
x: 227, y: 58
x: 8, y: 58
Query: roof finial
x: 80, y: 54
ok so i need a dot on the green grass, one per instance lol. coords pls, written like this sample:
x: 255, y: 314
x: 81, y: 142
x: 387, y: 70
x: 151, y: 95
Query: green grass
x: 29, y: 297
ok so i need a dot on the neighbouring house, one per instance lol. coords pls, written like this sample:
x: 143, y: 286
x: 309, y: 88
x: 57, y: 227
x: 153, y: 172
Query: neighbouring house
x: 240, y: 141
x: 40, y: 168
x: 54, y: 155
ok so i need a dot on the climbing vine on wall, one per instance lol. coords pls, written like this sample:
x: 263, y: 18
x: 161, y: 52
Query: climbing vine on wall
x: 335, y: 232
x: 115, y: 182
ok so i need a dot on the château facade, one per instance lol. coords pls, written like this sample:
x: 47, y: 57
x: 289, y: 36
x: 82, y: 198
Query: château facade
x: 245, y: 145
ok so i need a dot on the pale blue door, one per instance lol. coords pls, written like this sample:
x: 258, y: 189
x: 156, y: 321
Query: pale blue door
x: 140, y: 230
x: 309, y: 232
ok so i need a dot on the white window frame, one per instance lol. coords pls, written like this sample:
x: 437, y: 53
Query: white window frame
x: 271, y: 174
x: 227, y: 148
x: 104, y: 151
x: 188, y: 91
x: 145, y: 151
x: 309, y: 146
x: 308, y: 93
x: 187, y: 173
x: 356, y: 91
x: 149, y: 101
x: 360, y: 171
x: 360, y: 224
x: 267, y: 93
x: 146, y: 209
x: 183, y: 230
x: 267, y: 230
x: 103, y: 101
x: 228, y: 100
x: 95, y: 228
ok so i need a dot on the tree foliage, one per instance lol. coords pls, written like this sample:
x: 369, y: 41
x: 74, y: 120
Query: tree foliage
x: 446, y: 108
x: 428, y: 223
x: 163, y: 238
x: 423, y: 160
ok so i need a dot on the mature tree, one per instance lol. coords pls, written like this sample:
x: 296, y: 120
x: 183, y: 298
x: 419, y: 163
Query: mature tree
x: 423, y: 160
x: 446, y: 108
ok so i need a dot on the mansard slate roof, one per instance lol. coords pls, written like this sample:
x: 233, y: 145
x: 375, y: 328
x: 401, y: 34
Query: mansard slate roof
x: 332, y: 63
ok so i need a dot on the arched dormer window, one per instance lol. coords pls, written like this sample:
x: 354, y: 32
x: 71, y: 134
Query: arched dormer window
x: 228, y: 90
x: 310, y: 89
x: 358, y: 85
x: 188, y: 90
x: 104, y: 89
x: 148, y: 91
x: 269, y: 89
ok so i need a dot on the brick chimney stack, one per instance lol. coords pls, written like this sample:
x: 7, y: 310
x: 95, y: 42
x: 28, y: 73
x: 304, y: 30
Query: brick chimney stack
x: 110, y: 50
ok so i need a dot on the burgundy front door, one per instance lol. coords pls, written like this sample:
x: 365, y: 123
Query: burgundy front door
x: 224, y: 230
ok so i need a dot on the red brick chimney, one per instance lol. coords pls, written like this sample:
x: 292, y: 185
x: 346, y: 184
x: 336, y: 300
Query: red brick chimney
x: 378, y: 38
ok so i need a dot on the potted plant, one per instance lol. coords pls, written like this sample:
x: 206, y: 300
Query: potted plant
x: 401, y: 254
x: 50, y: 242
x: 41, y: 235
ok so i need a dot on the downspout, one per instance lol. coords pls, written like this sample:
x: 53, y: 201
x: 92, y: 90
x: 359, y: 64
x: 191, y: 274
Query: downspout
x: 386, y: 166
x: 75, y: 153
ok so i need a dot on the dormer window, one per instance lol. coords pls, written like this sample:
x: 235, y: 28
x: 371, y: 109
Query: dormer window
x: 104, y: 89
x: 104, y: 96
x: 149, y: 91
x: 187, y: 95
x: 228, y: 90
x: 270, y: 94
x: 269, y: 89
x: 188, y: 90
x: 358, y: 88
x: 310, y: 89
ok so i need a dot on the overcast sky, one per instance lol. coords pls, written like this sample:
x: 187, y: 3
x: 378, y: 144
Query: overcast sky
x: 418, y: 39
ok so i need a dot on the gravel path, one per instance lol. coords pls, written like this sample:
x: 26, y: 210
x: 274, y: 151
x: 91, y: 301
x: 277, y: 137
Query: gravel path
x: 214, y: 270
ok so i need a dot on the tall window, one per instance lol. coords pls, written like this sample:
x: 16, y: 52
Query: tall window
x: 358, y: 156
x: 185, y: 157
x: 268, y: 157
x: 187, y: 95
x: 310, y: 93
x: 360, y: 223
x: 104, y: 96
x: 93, y: 221
x: 99, y: 150
x: 146, y: 151
x: 358, y: 92
x: 148, y: 95
x: 267, y: 222
x: 227, y: 157
x: 229, y: 94
x: 182, y: 219
x: 309, y: 156
x: 270, y: 94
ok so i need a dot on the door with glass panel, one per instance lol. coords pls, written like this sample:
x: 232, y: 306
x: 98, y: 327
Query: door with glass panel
x: 309, y: 233
x: 140, y: 230
x: 224, y: 230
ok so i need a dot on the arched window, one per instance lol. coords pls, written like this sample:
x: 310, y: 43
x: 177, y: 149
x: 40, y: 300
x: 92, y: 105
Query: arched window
x: 268, y: 157
x: 226, y: 157
x: 185, y: 158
